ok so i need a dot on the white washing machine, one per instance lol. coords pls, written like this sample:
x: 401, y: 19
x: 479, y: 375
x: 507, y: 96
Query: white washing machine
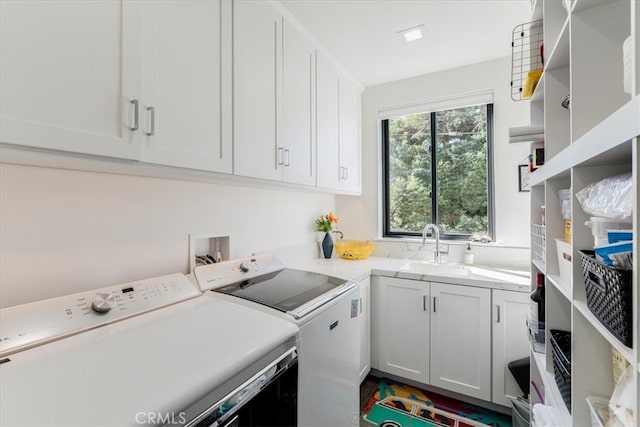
x: 325, y: 309
x: 146, y: 353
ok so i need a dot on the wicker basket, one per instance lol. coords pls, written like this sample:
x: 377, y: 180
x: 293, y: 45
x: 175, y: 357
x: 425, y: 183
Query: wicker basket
x: 561, y: 349
x: 354, y: 250
x: 609, y: 296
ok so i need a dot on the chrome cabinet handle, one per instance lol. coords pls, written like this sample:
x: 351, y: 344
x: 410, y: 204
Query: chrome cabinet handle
x: 287, y: 157
x: 280, y: 156
x: 360, y: 305
x: 343, y: 172
x: 434, y: 304
x: 152, y: 121
x: 498, y: 317
x: 424, y: 303
x: 346, y: 173
x: 136, y: 117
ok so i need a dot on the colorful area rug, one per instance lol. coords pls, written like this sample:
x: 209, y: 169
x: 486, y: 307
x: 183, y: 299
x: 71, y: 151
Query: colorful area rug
x: 398, y: 405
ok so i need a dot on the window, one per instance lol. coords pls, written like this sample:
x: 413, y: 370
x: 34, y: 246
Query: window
x: 437, y: 169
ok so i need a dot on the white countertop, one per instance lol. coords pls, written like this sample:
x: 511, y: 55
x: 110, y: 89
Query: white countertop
x: 479, y: 276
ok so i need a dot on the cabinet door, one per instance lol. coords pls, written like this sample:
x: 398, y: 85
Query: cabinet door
x: 181, y: 101
x: 365, y: 328
x: 298, y: 139
x: 327, y: 124
x: 510, y: 342
x: 68, y: 73
x: 349, y: 136
x: 461, y: 339
x: 257, y: 37
x: 404, y: 328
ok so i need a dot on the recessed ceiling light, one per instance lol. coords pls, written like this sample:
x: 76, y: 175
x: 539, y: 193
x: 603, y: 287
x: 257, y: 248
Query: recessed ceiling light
x: 413, y: 33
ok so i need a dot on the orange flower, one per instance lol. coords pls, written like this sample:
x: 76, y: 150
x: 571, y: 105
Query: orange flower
x: 325, y: 223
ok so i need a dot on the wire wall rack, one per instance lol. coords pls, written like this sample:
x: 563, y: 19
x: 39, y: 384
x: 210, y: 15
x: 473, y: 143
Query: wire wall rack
x: 526, y: 58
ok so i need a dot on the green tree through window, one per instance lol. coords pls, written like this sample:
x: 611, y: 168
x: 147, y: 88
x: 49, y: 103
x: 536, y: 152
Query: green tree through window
x: 437, y: 169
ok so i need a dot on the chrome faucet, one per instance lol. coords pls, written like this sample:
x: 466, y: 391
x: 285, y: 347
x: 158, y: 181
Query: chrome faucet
x: 436, y: 230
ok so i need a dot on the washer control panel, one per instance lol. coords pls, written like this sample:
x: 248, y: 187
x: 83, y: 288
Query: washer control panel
x: 26, y: 325
x: 224, y: 273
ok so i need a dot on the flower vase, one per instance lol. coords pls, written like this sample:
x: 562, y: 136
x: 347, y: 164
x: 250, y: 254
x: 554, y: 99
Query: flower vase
x: 327, y: 245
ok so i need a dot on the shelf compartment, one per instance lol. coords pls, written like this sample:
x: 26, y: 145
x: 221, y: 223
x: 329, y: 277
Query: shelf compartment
x: 609, y: 142
x: 555, y: 280
x: 552, y: 395
x: 625, y: 351
x: 559, y: 56
x: 597, y: 36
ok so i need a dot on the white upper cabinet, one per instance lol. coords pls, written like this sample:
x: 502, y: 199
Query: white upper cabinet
x: 134, y: 80
x: 217, y: 86
x: 274, y: 99
x: 298, y: 142
x: 349, y: 136
x: 257, y: 59
x: 328, y: 124
x: 184, y: 45
x: 338, y: 129
x: 68, y: 76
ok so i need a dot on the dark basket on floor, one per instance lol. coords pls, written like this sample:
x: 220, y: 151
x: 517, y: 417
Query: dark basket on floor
x: 608, y: 296
x: 561, y: 349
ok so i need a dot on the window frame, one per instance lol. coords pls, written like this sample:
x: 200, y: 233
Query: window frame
x: 386, y: 202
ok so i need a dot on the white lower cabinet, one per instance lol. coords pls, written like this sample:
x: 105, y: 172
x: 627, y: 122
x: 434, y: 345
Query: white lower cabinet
x: 460, y: 356
x: 448, y: 335
x: 365, y: 327
x: 510, y: 342
x: 403, y: 312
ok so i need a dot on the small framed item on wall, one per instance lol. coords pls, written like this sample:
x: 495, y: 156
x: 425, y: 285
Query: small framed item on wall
x: 523, y: 178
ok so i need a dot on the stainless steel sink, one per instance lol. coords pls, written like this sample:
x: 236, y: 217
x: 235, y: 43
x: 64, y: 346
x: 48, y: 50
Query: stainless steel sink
x: 436, y: 269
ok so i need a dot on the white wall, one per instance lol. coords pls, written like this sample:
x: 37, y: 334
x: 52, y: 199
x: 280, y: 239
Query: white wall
x: 512, y: 207
x: 65, y: 231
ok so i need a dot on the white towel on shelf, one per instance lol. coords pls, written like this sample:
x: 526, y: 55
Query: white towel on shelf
x: 544, y: 416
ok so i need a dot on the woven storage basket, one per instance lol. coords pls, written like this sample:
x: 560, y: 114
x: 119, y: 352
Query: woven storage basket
x: 608, y: 296
x: 561, y: 349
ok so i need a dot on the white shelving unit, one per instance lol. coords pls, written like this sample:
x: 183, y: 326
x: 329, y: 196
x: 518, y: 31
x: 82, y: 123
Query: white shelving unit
x: 596, y: 137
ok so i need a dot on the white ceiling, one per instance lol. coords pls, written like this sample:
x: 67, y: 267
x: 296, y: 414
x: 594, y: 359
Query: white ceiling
x: 363, y: 34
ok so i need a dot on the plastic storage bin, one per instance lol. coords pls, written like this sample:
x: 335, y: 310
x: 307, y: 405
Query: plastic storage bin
x: 599, y: 408
x: 564, y: 252
x: 536, y: 334
x: 520, y: 413
x: 609, y: 296
x: 561, y: 348
x: 599, y: 227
